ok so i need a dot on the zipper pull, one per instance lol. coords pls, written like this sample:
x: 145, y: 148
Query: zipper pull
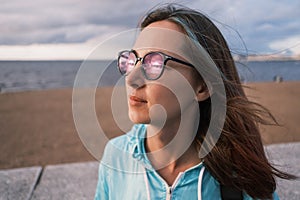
x: 169, y: 192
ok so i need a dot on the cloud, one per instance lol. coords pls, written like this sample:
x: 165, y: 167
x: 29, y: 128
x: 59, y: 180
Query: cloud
x: 28, y: 22
x: 258, y: 22
x: 64, y: 51
x: 289, y: 45
x: 31, y: 22
x: 98, y: 48
x: 45, y: 52
x: 61, y: 21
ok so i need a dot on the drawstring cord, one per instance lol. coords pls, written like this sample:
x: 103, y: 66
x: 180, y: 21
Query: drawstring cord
x: 200, y: 179
x: 147, y: 185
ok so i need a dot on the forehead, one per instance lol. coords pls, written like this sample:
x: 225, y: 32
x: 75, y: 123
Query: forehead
x: 162, y: 36
x: 167, y: 25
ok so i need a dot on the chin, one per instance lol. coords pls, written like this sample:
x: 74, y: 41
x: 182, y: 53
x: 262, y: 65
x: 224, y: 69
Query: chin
x: 138, y: 119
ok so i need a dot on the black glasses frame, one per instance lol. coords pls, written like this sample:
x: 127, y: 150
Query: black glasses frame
x: 141, y: 59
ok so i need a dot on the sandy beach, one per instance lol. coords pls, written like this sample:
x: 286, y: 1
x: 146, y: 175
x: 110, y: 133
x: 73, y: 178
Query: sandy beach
x: 37, y: 127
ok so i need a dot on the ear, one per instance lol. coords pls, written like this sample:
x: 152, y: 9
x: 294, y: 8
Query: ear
x: 202, y: 92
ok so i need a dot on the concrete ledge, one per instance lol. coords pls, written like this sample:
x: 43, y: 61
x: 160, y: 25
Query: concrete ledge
x: 286, y: 157
x: 18, y: 183
x: 68, y: 181
x: 79, y: 180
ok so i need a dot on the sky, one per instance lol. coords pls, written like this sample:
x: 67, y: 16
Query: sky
x: 71, y: 29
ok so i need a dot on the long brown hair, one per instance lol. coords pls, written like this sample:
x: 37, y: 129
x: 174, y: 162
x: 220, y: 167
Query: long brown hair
x: 238, y: 158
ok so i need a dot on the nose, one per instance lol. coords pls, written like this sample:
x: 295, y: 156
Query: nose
x: 135, y: 78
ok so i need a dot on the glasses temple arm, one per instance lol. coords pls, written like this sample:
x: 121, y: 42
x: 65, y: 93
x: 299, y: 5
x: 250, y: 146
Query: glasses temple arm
x: 180, y: 61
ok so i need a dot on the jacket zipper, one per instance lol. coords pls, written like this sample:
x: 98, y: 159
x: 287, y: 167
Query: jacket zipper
x: 169, y: 193
x: 171, y: 188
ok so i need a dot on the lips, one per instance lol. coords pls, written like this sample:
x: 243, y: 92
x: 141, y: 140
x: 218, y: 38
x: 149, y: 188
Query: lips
x: 137, y: 99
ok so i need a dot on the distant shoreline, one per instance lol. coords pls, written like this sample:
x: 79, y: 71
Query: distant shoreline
x: 265, y: 58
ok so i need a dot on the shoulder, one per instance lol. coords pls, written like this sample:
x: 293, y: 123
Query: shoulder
x: 114, y: 149
x: 118, y: 152
x: 127, y: 141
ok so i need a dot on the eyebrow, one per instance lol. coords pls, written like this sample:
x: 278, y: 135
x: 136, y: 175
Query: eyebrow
x: 146, y: 51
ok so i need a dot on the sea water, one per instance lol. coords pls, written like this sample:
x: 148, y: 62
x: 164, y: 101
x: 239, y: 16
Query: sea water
x: 39, y: 75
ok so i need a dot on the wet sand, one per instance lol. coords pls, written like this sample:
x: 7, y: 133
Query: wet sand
x: 37, y: 127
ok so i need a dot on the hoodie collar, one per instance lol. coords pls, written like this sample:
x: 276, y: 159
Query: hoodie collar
x: 136, y: 139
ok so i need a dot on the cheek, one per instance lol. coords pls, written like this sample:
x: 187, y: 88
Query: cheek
x: 172, y: 102
x: 159, y: 94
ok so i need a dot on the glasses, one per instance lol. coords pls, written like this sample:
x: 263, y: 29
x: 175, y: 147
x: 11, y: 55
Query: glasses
x: 153, y: 63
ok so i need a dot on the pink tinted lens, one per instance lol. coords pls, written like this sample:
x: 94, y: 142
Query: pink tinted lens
x: 126, y: 62
x: 153, y: 65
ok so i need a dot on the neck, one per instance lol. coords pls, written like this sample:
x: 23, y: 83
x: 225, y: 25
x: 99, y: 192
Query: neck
x: 172, y: 145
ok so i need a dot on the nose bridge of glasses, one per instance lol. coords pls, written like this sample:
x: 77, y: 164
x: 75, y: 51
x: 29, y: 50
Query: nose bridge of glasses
x: 138, y: 59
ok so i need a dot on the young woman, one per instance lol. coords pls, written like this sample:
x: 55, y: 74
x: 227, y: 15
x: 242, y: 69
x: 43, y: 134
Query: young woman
x: 186, y: 143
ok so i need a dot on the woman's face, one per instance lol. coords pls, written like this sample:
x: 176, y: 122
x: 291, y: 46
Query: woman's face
x: 175, y: 91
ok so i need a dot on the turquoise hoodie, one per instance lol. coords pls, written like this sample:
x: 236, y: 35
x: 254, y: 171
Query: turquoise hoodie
x: 126, y: 173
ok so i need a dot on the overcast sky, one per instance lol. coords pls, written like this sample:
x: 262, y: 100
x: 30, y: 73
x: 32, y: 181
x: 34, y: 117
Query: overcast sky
x: 70, y: 29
